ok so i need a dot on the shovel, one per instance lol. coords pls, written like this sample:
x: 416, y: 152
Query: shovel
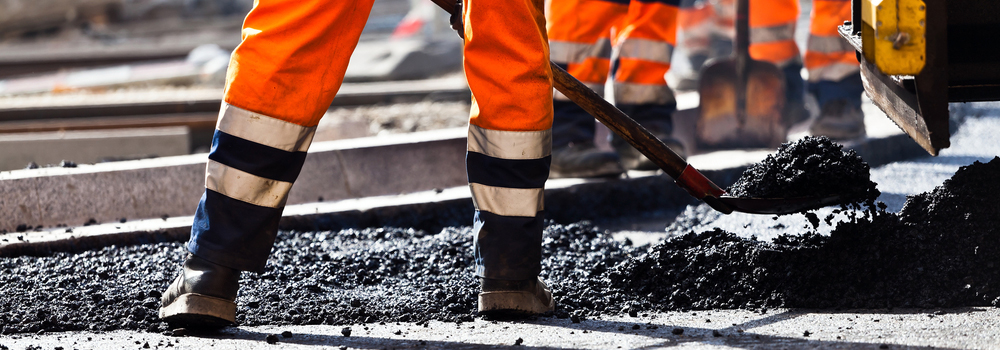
x: 741, y: 98
x: 686, y: 176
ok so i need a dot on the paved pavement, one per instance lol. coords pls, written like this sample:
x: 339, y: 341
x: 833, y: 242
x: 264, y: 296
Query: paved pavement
x: 718, y: 329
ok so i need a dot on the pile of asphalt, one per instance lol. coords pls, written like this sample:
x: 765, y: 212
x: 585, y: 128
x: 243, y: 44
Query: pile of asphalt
x: 939, y: 251
x: 808, y: 167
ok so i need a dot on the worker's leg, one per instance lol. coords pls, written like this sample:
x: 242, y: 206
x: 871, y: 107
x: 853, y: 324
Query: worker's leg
x: 643, y: 50
x: 580, y: 42
x: 703, y: 32
x: 695, y: 25
x: 834, y: 73
x: 725, y: 20
x: 772, y: 39
x: 281, y: 80
x: 510, y: 142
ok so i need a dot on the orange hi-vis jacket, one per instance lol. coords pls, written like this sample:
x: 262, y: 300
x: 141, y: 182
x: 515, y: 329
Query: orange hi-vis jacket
x: 772, y: 33
x: 286, y: 72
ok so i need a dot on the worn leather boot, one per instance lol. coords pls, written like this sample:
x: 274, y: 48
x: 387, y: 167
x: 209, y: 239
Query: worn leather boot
x: 203, y: 296
x: 839, y: 120
x: 525, y: 297
x: 584, y: 160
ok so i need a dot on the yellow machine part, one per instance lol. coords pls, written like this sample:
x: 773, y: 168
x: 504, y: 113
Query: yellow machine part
x: 893, y: 35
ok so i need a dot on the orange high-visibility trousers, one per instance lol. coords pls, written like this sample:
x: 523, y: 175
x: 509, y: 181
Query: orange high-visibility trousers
x: 580, y: 38
x: 644, y: 47
x: 772, y: 31
x: 286, y: 72
x: 699, y: 21
x: 642, y: 32
x: 828, y: 56
x: 584, y: 36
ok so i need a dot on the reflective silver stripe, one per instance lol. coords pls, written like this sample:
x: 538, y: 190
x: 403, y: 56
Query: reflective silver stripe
x: 264, y: 130
x: 573, y: 52
x: 833, y: 72
x: 696, y: 39
x: 246, y: 187
x: 510, y: 144
x: 769, y: 34
x: 598, y: 88
x: 504, y: 201
x: 643, y: 94
x: 646, y: 50
x: 828, y: 44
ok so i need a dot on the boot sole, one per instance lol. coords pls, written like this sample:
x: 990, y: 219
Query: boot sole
x: 513, y: 302
x: 199, y: 310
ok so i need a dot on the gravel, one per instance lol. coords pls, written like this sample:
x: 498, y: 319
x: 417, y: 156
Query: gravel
x: 939, y: 251
x: 808, y: 167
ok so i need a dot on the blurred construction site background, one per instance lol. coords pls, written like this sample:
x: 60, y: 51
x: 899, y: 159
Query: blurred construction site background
x: 85, y: 81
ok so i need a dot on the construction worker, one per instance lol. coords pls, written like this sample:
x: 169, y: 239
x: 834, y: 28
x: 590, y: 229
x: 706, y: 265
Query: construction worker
x: 834, y: 73
x: 705, y: 30
x: 834, y: 79
x: 281, y: 80
x: 582, y: 36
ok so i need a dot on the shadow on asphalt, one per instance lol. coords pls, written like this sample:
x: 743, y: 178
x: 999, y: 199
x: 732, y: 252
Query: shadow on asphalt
x: 735, y: 335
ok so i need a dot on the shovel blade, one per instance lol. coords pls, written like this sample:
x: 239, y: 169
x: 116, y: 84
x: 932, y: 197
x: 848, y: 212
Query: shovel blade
x: 722, y: 125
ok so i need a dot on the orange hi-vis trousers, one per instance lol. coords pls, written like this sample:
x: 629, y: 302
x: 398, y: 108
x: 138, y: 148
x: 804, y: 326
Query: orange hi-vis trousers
x: 582, y: 34
x: 772, y: 31
x: 830, y: 60
x: 639, y: 35
x: 286, y: 72
x: 698, y: 21
x: 828, y: 56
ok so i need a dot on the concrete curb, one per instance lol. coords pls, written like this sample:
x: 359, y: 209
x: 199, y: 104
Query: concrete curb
x: 566, y: 200
x: 172, y: 186
x: 956, y: 328
x: 91, y: 146
x: 69, y: 106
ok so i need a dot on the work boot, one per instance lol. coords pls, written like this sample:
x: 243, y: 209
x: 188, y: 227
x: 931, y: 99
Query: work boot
x: 584, y: 160
x: 839, y: 120
x: 632, y: 159
x: 524, y: 297
x: 203, y: 296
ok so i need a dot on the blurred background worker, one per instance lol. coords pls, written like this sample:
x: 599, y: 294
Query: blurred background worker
x: 281, y: 80
x: 582, y: 36
x: 632, y: 41
x: 706, y: 31
x: 834, y: 73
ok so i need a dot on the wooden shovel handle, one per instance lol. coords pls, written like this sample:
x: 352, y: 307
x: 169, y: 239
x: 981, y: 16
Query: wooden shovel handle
x: 615, y: 119
x: 628, y: 129
x: 620, y: 123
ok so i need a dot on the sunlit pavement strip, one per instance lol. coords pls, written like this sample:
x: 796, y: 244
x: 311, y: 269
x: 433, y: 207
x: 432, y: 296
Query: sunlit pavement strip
x: 718, y: 329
